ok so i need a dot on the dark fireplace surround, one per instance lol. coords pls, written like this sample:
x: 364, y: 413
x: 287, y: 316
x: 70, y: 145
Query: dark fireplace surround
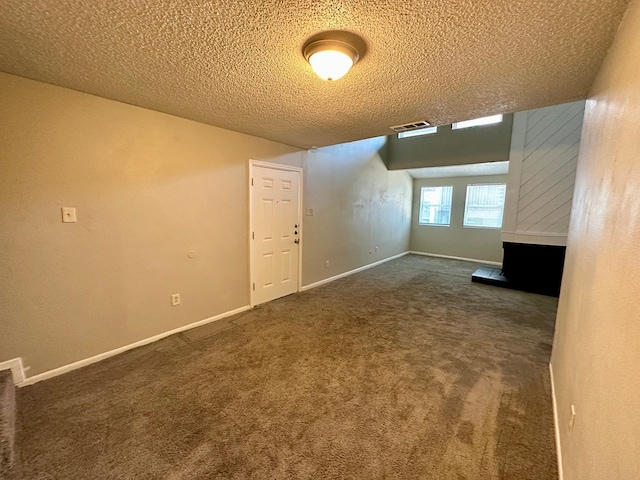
x: 528, y: 267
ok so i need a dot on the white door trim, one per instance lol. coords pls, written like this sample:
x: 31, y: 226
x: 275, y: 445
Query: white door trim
x: 275, y: 166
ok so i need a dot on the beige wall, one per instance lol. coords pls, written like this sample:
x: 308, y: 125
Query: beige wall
x: 148, y: 187
x: 596, y: 353
x: 362, y: 212
x: 455, y: 240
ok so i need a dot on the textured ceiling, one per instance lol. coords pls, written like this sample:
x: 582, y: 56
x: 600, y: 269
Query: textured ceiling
x: 238, y: 64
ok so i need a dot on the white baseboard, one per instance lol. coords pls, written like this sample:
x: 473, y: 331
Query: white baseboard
x: 350, y: 272
x: 556, y: 424
x: 17, y: 371
x: 474, y: 260
x: 88, y: 361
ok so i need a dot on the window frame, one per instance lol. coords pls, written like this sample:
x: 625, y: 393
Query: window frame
x: 469, y: 123
x: 420, y: 207
x: 466, y: 200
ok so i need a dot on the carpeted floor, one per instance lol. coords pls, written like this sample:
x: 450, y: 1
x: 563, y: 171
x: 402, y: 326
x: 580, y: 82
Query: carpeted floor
x: 403, y: 371
x: 7, y: 423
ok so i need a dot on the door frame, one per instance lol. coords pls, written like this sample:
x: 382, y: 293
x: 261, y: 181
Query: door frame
x: 274, y: 166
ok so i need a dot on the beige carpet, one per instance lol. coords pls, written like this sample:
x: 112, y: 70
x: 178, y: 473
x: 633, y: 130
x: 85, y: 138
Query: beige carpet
x: 404, y: 371
x: 7, y: 423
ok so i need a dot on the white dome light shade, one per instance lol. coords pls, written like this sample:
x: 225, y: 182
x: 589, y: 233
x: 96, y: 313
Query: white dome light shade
x: 330, y: 64
x: 330, y: 59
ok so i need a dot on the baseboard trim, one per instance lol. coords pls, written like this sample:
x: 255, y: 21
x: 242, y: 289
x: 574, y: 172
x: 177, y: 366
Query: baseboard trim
x: 351, y: 272
x: 555, y: 423
x: 474, y: 260
x: 102, y: 356
x: 17, y: 371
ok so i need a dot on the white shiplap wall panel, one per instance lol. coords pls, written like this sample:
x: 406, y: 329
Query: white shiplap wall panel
x: 543, y: 161
x: 555, y: 183
x: 536, y: 116
x: 557, y: 198
x: 561, y: 226
x: 547, y: 154
x: 547, y: 132
x: 557, y: 169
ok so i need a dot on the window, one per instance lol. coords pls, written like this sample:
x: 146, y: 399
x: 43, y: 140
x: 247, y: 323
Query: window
x: 418, y: 132
x: 478, y: 122
x: 435, y: 206
x: 484, y: 205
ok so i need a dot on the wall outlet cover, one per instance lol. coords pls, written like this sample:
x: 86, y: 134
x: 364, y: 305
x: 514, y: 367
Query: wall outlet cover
x: 175, y: 299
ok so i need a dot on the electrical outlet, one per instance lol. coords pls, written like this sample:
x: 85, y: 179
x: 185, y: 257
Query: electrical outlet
x: 175, y: 299
x: 326, y: 264
x: 309, y: 212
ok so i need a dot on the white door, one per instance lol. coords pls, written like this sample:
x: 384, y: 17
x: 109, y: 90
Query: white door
x: 275, y: 233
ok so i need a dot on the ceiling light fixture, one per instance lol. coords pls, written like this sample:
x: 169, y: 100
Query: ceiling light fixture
x: 330, y: 59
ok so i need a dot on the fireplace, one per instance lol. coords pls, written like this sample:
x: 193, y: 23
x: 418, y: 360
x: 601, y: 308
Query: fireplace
x: 527, y: 267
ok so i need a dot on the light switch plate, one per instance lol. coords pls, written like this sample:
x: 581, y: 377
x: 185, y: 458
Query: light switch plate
x: 69, y: 215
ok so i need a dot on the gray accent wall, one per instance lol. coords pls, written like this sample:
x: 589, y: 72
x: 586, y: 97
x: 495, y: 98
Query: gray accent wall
x: 361, y: 211
x: 455, y: 240
x: 489, y: 143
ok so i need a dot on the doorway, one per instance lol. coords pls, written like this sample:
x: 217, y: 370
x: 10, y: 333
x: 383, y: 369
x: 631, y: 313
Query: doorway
x: 275, y: 230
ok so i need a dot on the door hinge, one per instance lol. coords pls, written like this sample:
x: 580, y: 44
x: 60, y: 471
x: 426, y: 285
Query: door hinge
x: 253, y: 235
x: 254, y: 287
x: 252, y: 182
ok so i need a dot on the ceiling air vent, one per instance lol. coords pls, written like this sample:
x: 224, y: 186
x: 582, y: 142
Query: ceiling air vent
x: 411, y: 126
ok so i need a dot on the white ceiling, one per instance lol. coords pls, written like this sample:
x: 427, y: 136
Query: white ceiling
x: 472, y: 170
x: 238, y: 64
